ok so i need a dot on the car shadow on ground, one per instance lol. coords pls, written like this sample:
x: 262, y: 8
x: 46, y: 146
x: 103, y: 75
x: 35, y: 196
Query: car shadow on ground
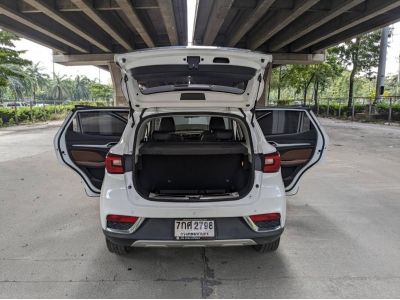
x: 183, y: 272
x: 213, y: 270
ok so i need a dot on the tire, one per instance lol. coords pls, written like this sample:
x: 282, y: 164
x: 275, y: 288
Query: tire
x: 117, y: 249
x: 268, y: 247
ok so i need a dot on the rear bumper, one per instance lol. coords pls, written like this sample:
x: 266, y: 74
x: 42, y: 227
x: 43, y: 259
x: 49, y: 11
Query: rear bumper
x: 158, y: 232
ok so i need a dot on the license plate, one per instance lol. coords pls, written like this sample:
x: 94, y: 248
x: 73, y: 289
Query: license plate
x: 194, y: 229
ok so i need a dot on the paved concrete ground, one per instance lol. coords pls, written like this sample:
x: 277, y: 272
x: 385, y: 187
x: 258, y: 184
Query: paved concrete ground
x: 342, y: 237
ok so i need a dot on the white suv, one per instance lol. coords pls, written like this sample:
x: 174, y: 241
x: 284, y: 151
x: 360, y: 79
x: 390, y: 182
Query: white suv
x: 191, y: 162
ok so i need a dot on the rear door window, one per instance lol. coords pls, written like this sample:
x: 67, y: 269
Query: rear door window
x: 277, y: 122
x: 102, y: 123
x: 85, y: 140
x: 296, y: 136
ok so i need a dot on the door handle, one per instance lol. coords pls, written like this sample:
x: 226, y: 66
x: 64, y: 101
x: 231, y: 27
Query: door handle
x: 273, y: 143
x: 110, y: 144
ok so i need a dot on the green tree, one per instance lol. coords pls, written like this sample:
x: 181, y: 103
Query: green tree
x: 81, y: 88
x: 324, y: 74
x: 59, y: 88
x: 35, y: 81
x: 361, y: 55
x: 17, y: 86
x: 101, y: 91
x: 37, y: 78
x: 301, y: 77
x: 9, y: 58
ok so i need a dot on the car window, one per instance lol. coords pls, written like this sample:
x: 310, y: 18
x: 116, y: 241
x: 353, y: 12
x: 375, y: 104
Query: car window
x: 101, y: 123
x: 200, y: 123
x: 191, y: 122
x: 276, y: 122
x: 191, y: 128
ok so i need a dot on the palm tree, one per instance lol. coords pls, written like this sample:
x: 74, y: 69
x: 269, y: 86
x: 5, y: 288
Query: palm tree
x: 81, y: 88
x: 59, y: 88
x: 17, y: 88
x: 9, y: 57
x: 3, y: 90
x: 37, y: 78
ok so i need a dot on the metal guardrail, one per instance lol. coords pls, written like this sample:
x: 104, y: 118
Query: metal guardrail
x: 368, y: 108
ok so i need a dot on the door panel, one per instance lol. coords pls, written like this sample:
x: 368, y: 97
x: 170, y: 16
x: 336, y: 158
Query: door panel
x: 84, y: 140
x: 88, y: 158
x: 297, y: 136
x: 293, y: 157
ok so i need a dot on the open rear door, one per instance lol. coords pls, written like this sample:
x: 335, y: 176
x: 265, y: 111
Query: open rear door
x: 299, y: 138
x: 84, y: 140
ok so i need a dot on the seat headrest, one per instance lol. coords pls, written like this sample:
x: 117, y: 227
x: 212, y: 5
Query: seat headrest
x: 160, y: 136
x: 167, y: 124
x: 223, y: 135
x: 216, y: 123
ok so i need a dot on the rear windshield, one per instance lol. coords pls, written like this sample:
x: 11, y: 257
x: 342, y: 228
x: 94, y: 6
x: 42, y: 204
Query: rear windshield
x: 220, y: 78
x: 194, y: 123
x: 192, y: 128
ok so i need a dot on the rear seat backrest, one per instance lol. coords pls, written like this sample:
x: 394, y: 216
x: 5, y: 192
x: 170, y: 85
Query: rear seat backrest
x: 159, y: 136
x: 216, y: 123
x: 166, y: 131
x: 223, y: 135
x: 167, y: 125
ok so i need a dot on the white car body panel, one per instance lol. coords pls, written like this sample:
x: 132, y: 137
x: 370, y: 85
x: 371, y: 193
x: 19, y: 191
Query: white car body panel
x: 269, y: 197
x: 118, y: 195
x: 177, y: 56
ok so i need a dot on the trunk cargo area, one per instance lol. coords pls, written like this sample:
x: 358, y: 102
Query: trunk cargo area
x: 193, y: 171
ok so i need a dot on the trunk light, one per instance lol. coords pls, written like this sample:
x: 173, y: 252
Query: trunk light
x: 114, y: 164
x: 266, y: 217
x: 272, y: 163
x: 122, y: 219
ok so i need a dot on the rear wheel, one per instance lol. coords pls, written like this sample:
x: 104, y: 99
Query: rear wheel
x: 117, y: 249
x: 268, y: 247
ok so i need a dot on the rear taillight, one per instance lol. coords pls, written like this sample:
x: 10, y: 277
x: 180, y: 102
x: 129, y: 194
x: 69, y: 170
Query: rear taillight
x: 272, y: 163
x: 269, y: 221
x: 266, y: 217
x: 118, y: 222
x: 122, y: 219
x: 114, y: 164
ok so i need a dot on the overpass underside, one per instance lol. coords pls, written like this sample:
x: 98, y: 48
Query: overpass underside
x: 289, y: 26
x: 89, y: 32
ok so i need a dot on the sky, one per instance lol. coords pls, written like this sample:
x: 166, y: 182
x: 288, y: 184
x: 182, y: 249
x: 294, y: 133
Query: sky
x: 393, y: 51
x: 39, y: 53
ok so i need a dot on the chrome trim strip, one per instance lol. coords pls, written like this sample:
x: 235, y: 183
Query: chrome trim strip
x: 255, y: 228
x: 191, y: 243
x: 130, y: 230
x: 155, y: 196
x: 105, y: 146
x: 275, y: 144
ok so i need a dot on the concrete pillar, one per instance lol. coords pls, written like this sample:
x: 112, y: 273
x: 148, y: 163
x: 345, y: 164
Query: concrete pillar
x: 264, y: 99
x: 380, y: 78
x: 118, y: 96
